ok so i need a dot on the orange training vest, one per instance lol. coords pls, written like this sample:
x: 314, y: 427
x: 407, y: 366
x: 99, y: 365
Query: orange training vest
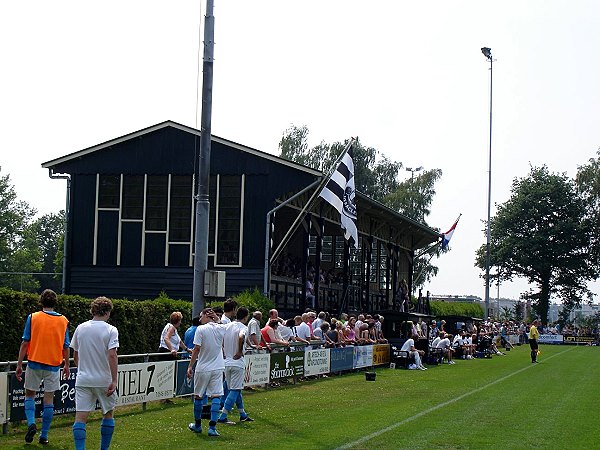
x: 47, y: 338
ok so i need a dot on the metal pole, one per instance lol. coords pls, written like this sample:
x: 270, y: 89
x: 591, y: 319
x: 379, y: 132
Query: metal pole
x: 203, y: 203
x: 487, y: 249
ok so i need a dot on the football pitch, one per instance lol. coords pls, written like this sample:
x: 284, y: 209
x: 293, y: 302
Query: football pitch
x: 505, y: 402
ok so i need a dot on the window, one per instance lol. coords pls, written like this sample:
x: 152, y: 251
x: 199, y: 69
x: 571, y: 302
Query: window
x: 156, y: 202
x: 109, y: 191
x: 374, y: 262
x: 133, y: 197
x: 339, y: 252
x: 228, y: 235
x: 382, y: 266
x: 180, y: 216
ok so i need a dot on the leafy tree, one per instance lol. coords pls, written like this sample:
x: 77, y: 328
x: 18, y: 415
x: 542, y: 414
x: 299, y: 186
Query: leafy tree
x: 14, y: 217
x: 376, y: 176
x: 519, y: 311
x: 588, y: 186
x: 43, y: 238
x: 540, y: 234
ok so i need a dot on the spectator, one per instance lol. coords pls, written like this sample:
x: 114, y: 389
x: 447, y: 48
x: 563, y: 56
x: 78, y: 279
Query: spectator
x: 268, y: 334
x: 285, y: 330
x: 320, y: 319
x: 409, y: 346
x: 358, y: 324
x: 446, y: 347
x: 170, y: 342
x: 310, y: 291
x: 301, y: 330
x: 254, y: 336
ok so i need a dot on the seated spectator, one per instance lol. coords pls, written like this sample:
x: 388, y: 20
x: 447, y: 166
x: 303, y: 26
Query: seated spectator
x: 409, y: 346
x: 446, y: 347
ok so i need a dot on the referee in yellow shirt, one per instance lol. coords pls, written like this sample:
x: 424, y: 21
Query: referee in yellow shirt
x: 533, y: 340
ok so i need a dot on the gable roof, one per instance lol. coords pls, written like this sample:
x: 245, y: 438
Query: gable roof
x: 170, y: 123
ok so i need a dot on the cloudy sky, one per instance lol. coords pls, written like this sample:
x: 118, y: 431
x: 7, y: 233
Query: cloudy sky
x: 407, y: 78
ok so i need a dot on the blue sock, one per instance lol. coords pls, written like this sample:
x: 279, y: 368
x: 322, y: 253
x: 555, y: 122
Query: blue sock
x: 239, y: 403
x: 46, y: 420
x: 231, y: 399
x: 30, y: 410
x: 198, y: 404
x: 107, y: 428
x: 215, y: 406
x: 79, y: 435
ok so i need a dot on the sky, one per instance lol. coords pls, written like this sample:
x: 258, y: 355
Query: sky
x: 407, y: 78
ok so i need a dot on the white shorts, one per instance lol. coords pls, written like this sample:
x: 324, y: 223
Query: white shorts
x: 209, y: 383
x: 34, y: 378
x: 85, y: 399
x: 234, y: 377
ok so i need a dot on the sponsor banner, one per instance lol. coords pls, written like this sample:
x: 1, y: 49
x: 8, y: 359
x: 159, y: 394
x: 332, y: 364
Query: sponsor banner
x: 64, y: 397
x: 341, y: 359
x: 287, y: 365
x: 3, y: 397
x: 579, y: 339
x: 550, y: 339
x: 316, y: 362
x: 363, y: 356
x: 144, y: 382
x: 183, y: 384
x: 381, y: 354
x: 257, y: 368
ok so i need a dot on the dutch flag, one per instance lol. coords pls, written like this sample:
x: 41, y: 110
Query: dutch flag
x: 448, y: 234
x: 339, y: 193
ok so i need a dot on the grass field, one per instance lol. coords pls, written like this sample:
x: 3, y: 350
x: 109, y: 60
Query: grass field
x: 505, y: 402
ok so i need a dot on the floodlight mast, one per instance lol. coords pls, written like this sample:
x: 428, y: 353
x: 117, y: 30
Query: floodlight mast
x: 487, y: 52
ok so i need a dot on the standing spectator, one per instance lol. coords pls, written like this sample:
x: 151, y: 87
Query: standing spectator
x: 533, y: 340
x: 46, y: 345
x: 310, y: 291
x: 319, y: 320
x: 254, y: 336
x: 301, y: 330
x: 94, y: 345
x: 233, y: 349
x: 170, y: 342
x: 229, y: 307
x: 208, y: 375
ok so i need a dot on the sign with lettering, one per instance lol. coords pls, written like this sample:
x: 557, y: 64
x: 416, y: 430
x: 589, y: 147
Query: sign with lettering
x: 183, y: 384
x: 3, y: 397
x: 341, y: 359
x: 64, y: 398
x: 257, y: 369
x: 144, y: 382
x: 363, y: 356
x: 286, y: 365
x: 550, y: 339
x: 316, y: 362
x: 579, y: 339
x: 381, y: 354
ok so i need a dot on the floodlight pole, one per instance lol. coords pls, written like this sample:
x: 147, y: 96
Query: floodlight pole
x: 487, y: 52
x: 202, y: 200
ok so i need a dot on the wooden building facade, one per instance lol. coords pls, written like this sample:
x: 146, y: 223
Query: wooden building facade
x: 130, y: 223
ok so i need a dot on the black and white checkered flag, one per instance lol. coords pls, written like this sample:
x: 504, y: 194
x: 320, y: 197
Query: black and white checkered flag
x: 339, y: 193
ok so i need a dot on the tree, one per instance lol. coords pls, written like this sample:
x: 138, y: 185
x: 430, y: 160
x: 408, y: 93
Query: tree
x: 540, y: 234
x: 588, y: 187
x: 376, y: 176
x: 14, y: 217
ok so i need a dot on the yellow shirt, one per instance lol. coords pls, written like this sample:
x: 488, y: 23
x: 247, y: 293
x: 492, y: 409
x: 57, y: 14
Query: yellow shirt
x: 533, y: 333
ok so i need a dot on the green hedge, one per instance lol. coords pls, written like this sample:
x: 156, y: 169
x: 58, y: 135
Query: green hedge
x: 139, y: 322
x: 439, y: 308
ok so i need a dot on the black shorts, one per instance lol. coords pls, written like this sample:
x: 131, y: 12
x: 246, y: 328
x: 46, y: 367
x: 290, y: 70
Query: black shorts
x: 533, y: 344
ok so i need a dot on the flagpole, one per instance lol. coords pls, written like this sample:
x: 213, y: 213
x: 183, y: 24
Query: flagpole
x: 309, y: 203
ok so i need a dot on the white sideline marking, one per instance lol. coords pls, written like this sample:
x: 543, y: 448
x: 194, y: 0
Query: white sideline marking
x: 441, y: 405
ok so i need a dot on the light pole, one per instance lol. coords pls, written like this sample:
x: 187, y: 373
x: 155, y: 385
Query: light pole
x: 487, y: 52
x: 412, y: 187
